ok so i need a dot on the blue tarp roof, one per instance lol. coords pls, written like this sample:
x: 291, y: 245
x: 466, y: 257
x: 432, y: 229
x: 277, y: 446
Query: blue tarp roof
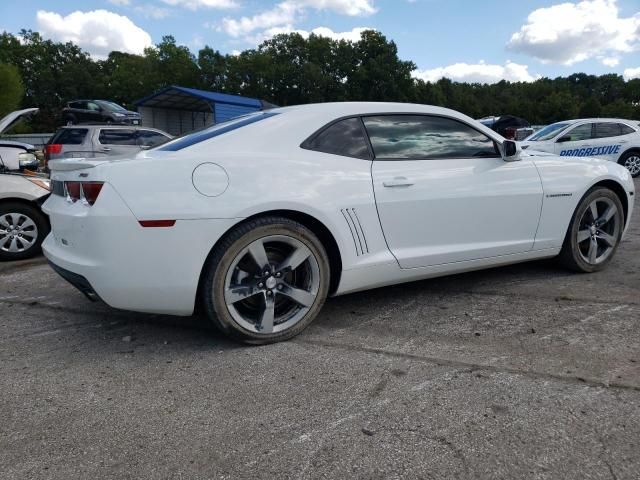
x: 187, y: 98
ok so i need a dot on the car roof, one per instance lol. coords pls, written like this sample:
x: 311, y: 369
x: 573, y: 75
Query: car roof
x: 598, y: 119
x: 112, y: 126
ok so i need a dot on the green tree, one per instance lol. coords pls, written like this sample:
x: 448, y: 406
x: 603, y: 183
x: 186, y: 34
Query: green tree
x: 12, y: 89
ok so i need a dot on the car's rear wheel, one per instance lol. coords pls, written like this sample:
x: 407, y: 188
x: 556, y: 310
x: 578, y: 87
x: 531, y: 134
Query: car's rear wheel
x: 595, y: 231
x: 631, y: 161
x: 266, y: 281
x: 23, y: 228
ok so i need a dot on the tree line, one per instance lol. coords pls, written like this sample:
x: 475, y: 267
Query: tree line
x: 287, y: 70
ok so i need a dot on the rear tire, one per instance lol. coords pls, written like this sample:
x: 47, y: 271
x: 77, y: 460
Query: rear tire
x: 23, y: 228
x: 266, y: 281
x: 594, y: 233
x: 631, y: 161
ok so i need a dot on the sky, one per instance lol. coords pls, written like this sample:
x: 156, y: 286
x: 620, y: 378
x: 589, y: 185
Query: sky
x: 465, y: 40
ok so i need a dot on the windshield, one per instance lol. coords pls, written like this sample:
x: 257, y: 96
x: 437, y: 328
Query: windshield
x: 114, y: 107
x: 548, y: 132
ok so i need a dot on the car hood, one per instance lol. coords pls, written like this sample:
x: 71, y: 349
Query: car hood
x: 13, y: 117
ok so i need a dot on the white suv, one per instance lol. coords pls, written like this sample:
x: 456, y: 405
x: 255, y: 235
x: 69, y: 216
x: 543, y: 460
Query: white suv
x: 613, y: 139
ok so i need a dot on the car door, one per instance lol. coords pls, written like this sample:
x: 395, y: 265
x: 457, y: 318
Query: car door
x: 93, y: 113
x: 444, y: 194
x: 575, y: 141
x: 610, y: 140
x: 116, y: 141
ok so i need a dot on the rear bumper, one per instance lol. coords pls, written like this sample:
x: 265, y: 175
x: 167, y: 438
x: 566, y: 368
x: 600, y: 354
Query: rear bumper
x: 77, y: 281
x: 106, y: 253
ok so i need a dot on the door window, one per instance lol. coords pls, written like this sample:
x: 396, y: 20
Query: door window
x: 117, y: 136
x: 605, y: 130
x: 149, y: 138
x: 93, y: 107
x: 345, y: 137
x: 69, y: 136
x: 413, y: 137
x: 581, y: 132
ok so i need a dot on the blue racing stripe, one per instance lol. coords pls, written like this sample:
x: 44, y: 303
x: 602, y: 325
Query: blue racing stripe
x: 214, y: 131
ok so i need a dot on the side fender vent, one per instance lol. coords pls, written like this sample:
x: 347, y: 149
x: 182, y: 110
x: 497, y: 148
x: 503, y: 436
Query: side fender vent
x: 357, y: 232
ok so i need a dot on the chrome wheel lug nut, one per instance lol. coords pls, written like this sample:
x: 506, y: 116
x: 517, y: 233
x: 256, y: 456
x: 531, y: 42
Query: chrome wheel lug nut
x: 260, y: 285
x: 269, y: 292
x: 279, y: 287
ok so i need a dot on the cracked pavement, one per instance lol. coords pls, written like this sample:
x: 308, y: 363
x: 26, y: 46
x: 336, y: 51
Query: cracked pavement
x: 527, y: 371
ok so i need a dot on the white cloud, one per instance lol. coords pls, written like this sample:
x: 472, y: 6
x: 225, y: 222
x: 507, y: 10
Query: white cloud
x: 286, y: 13
x: 197, y: 4
x: 631, y: 73
x: 152, y: 11
x: 568, y: 33
x: 478, y: 73
x: 351, y: 35
x: 98, y: 31
x: 120, y: 3
x: 610, y: 61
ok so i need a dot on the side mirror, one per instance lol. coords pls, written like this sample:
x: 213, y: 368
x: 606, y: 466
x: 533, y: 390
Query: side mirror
x: 566, y: 138
x: 511, y: 151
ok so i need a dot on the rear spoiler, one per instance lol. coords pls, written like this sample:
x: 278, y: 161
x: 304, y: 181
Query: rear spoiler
x: 71, y: 164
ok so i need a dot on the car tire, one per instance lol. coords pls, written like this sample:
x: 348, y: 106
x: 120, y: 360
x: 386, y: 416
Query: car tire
x: 631, y: 161
x: 593, y: 236
x: 17, y: 222
x: 70, y: 120
x: 265, y: 281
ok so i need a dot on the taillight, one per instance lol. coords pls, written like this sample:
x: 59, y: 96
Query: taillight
x: 86, y: 191
x: 52, y: 149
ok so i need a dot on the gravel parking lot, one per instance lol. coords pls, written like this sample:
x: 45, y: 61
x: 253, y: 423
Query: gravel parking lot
x: 527, y: 371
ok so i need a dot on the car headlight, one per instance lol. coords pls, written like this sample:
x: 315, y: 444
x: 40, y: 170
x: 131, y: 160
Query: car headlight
x: 27, y: 160
x: 41, y: 182
x: 119, y: 115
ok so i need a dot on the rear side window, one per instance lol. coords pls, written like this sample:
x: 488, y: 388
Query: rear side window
x: 149, y: 138
x: 605, y: 130
x: 117, y: 136
x: 345, y: 138
x: 626, y: 129
x: 70, y: 136
x: 418, y: 137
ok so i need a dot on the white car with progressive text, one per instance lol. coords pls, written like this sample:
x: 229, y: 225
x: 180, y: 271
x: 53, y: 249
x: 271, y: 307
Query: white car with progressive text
x: 612, y: 139
x: 259, y: 219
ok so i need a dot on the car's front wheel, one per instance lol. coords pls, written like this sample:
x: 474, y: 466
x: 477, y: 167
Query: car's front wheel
x: 595, y: 231
x: 23, y: 228
x: 266, y: 281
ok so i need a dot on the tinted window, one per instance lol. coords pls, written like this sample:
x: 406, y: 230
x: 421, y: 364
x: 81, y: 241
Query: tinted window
x: 77, y: 105
x: 420, y: 136
x: 93, y: 106
x: 70, y: 136
x: 582, y: 132
x: 117, y: 137
x: 604, y: 130
x: 149, y: 138
x: 626, y: 129
x: 342, y: 138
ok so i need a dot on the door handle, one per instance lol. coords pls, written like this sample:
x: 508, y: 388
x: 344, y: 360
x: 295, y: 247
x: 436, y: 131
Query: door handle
x: 398, y: 182
x: 105, y: 149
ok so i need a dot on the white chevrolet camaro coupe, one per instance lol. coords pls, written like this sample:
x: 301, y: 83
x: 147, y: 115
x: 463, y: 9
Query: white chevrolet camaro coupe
x: 257, y: 220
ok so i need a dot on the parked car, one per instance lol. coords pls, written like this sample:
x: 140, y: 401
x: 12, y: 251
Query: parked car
x: 509, y: 126
x: 98, y: 111
x: 260, y: 218
x: 16, y: 156
x: 92, y: 141
x: 23, y: 225
x: 613, y: 139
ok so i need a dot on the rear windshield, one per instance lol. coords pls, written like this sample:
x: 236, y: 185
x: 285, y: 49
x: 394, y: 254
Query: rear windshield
x: 214, y: 131
x: 69, y: 136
